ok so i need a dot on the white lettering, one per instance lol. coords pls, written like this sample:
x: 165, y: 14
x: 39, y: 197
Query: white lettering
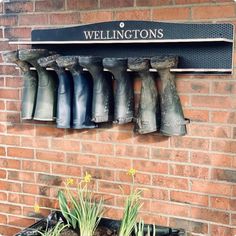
x: 160, y: 33
x: 144, y: 34
x: 88, y: 34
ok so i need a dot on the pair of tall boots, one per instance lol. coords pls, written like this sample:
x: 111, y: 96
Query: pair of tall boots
x: 39, y: 91
x: 160, y: 107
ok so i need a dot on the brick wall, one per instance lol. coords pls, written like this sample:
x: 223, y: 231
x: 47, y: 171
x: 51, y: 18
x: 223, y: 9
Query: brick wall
x: 190, y: 181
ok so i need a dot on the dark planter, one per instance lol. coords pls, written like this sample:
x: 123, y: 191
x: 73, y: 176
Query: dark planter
x: 53, y: 218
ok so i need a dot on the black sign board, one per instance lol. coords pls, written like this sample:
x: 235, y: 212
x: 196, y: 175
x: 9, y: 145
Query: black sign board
x: 200, y: 47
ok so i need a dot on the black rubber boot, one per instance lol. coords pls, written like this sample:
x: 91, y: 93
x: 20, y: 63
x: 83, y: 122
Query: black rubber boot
x: 64, y: 92
x: 124, y: 91
x: 30, y: 86
x: 148, y: 119
x: 103, y: 101
x: 47, y: 85
x: 172, y: 117
x: 82, y: 96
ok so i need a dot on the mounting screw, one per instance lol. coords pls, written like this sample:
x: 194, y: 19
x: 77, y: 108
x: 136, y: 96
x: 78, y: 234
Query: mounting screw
x: 122, y: 24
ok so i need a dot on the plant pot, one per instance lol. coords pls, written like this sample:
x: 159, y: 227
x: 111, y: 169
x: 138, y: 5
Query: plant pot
x: 105, y: 225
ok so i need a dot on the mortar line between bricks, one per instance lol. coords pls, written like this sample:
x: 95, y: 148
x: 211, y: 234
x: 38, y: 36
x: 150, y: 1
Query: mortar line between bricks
x: 165, y: 148
x: 119, y: 181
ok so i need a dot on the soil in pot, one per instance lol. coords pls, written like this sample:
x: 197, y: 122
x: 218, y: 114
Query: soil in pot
x: 100, y: 231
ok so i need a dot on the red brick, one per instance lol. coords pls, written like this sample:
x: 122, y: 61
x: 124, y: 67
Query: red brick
x: 224, y: 146
x: 49, y: 131
x: 169, y: 155
x: 2, y: 151
x: 213, y: 102
x: 213, y: 11
x: 216, y: 230
x: 13, y: 106
x: 155, y: 193
x: 152, y: 140
x: 21, y: 129
x: 9, y: 140
x: 66, y: 170
x: 21, y: 176
x: 170, y: 208
x: 192, y: 1
x: 98, y: 148
x: 10, y: 186
x: 3, y: 174
x: 223, y: 117
x: 171, y: 13
x: 8, y: 20
x: 220, y: 203
x: 189, y: 198
x: 50, y: 156
x: 196, y: 115
x: 108, y: 187
x: 36, y: 166
x: 8, y: 230
x: 3, y: 219
x: 210, y: 215
x: 170, y: 182
x: 14, y: 82
x: 189, y: 225
x: 233, y: 220
x: 154, y: 3
x: 65, y: 145
x: 2, y: 105
x: 132, y: 151
x: 10, y: 163
x: 224, y: 175
x: 20, y: 152
x: 9, y: 117
x: 49, y: 5
x: 18, y: 33
x: 18, y: 7
x: 224, y: 87
x: 184, y: 100
x: 210, y: 131
x: 106, y: 136
x: 111, y: 162
x: 21, y: 199
x: 184, y: 86
x: 190, y: 143
x: 189, y: 171
x: 38, y: 142
x: 151, y: 166
x: 33, y: 19
x: 207, y: 187
x: 96, y: 16
x: 20, y: 222
x: 9, y: 93
x: 81, y: 4
x: 116, y: 4
x: 64, y: 18
x: 139, y: 178
x: 102, y: 174
x: 3, y: 196
x: 11, y: 209
x: 81, y: 134
x: 133, y: 14
x: 210, y: 159
x: 47, y: 179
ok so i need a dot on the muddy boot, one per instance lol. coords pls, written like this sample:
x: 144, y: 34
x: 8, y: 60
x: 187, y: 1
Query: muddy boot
x: 148, y: 118
x: 124, y: 91
x: 64, y: 92
x: 30, y: 86
x: 172, y: 117
x: 82, y: 96
x: 47, y: 85
x: 103, y: 101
